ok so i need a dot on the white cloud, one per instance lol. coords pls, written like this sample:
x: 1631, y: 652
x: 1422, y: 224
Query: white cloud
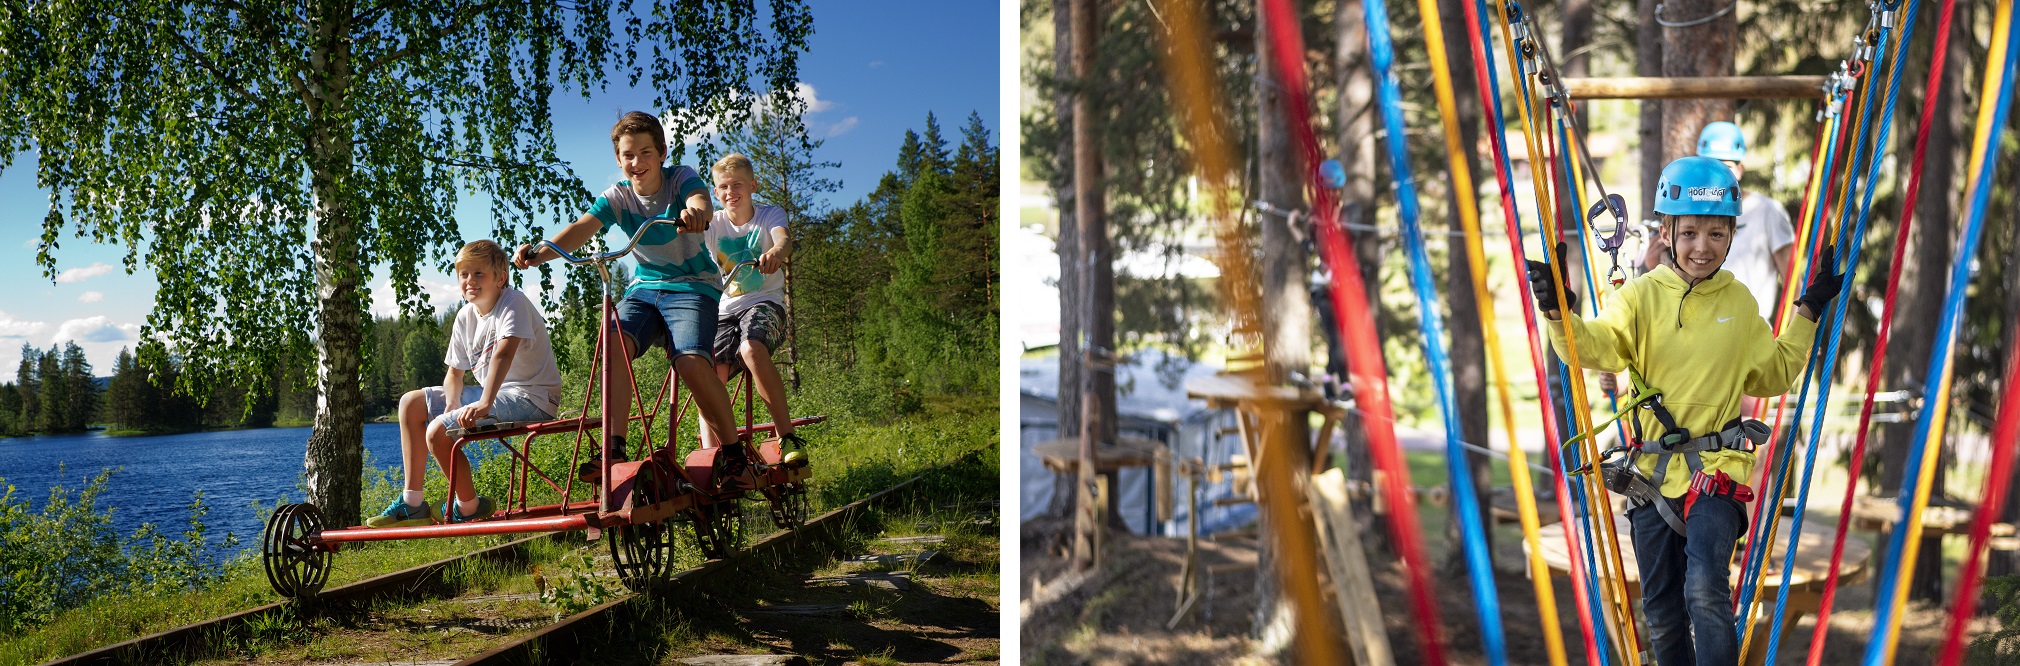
x: 815, y: 104
x: 439, y: 293
x: 876, y: 64
x: 90, y: 297
x: 32, y: 243
x: 96, y: 269
x: 17, y: 329
x: 99, y: 328
x: 839, y: 128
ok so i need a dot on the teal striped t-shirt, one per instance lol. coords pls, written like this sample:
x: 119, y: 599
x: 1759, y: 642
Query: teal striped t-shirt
x: 667, y: 259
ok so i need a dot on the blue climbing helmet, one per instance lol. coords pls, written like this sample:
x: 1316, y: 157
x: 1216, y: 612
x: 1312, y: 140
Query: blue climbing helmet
x: 1721, y: 141
x: 1697, y: 186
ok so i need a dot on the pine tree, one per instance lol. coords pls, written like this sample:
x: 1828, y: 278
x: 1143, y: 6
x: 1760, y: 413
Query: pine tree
x: 933, y: 147
x: 123, y: 397
x: 54, y: 395
x: 910, y: 161
x: 28, y: 386
x: 81, y: 397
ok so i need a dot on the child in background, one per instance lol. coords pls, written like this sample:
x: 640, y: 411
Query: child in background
x: 752, y: 323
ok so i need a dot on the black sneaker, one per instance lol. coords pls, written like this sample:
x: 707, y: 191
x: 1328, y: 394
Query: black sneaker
x: 592, y: 470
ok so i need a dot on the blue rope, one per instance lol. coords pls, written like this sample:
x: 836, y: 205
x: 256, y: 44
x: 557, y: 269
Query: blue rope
x: 1431, y: 325
x: 1756, y: 557
x: 1946, y: 334
x: 1836, y: 324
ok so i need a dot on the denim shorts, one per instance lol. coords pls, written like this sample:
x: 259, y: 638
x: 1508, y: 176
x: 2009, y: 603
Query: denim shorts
x: 684, y: 320
x: 510, y: 405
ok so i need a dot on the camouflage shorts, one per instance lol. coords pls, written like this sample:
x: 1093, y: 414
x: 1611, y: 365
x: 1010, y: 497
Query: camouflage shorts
x: 764, y: 323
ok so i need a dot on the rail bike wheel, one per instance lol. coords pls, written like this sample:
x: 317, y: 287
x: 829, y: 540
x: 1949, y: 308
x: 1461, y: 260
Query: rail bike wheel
x: 718, y: 528
x: 296, y: 568
x: 642, y: 553
x: 789, y: 506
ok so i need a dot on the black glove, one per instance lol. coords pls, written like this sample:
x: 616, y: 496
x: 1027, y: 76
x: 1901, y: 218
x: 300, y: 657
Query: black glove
x: 1545, y: 288
x: 1824, y: 284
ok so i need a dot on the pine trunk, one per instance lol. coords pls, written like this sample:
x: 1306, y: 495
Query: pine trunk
x: 1357, y: 156
x: 1705, y: 49
x: 1068, y: 246
x: 1468, y: 351
x: 1286, y: 302
x: 335, y: 457
x: 1097, y: 418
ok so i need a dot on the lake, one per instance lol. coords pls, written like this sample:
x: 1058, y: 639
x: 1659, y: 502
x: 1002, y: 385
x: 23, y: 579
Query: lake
x: 157, y: 476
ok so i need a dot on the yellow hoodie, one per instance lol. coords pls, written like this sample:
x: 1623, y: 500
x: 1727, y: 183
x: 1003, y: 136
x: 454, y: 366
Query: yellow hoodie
x: 1702, y: 347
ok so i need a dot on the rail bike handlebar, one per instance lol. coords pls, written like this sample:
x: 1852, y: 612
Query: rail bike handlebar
x: 530, y: 252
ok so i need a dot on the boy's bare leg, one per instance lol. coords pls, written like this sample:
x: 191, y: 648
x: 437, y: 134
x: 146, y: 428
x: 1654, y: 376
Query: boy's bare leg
x: 758, y: 358
x: 454, y: 464
x: 708, y: 438
x: 710, y: 398
x: 414, y: 439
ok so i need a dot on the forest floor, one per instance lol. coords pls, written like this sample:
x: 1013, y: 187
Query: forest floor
x: 1121, y: 617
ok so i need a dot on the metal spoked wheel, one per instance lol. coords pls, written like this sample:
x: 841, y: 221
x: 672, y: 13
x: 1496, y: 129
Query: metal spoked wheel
x: 296, y: 568
x: 718, y: 528
x: 643, y: 554
x: 790, y: 506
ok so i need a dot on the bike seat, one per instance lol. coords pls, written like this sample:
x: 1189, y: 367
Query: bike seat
x: 489, y: 426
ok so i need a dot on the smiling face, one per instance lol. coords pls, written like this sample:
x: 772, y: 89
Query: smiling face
x: 481, y: 281
x: 734, y: 188
x: 640, y: 158
x: 1699, y: 243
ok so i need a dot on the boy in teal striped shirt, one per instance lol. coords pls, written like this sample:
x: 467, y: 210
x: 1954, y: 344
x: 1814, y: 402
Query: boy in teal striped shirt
x: 674, y: 293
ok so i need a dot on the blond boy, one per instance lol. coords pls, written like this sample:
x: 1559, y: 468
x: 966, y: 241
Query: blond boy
x: 499, y: 337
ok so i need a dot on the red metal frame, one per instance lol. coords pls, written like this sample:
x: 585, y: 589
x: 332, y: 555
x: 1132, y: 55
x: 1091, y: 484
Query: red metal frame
x: 608, y: 368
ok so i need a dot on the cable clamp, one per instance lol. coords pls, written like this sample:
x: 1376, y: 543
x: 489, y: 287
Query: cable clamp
x: 1887, y: 19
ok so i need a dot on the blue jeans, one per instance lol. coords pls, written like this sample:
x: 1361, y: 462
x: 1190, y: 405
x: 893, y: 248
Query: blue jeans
x: 684, y: 319
x: 1685, y: 585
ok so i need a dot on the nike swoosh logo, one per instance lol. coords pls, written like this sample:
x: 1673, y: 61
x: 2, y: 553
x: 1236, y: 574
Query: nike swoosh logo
x: 1724, y: 319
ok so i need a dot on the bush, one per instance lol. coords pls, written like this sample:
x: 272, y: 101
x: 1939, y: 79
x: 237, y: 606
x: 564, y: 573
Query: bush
x: 68, y: 554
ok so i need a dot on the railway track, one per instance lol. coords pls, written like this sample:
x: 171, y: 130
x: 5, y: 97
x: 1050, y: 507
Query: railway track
x: 565, y: 636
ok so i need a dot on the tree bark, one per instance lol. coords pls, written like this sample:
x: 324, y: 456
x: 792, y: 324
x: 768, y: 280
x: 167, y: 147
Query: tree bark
x: 1648, y: 62
x: 1286, y: 300
x: 1468, y: 351
x: 1575, y: 64
x: 1357, y: 200
x: 335, y: 458
x: 1705, y: 49
x: 1097, y: 425
x: 1924, y: 279
x: 1068, y: 246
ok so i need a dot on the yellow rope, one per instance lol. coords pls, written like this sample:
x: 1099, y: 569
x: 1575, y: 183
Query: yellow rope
x: 1469, y: 218
x: 1987, y: 100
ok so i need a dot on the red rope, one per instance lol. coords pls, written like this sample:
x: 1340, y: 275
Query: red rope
x: 2004, y: 433
x: 1929, y: 95
x: 1364, y: 352
x: 1499, y: 142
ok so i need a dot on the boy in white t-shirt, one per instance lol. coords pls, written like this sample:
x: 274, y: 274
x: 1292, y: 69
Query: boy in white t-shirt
x: 752, y: 323
x: 502, y: 339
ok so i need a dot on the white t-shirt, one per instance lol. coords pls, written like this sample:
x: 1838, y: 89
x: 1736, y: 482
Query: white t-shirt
x: 533, y: 371
x: 731, y: 243
x: 1763, y: 227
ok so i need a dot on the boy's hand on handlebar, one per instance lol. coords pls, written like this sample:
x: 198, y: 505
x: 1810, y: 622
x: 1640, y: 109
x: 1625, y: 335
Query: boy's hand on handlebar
x: 527, y: 257
x: 693, y: 220
x: 769, y: 262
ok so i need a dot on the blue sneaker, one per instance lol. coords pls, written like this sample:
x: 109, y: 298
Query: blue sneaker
x: 485, y: 507
x: 401, y: 514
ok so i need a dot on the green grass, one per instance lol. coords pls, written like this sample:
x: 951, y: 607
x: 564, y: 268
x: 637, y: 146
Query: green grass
x: 851, y: 458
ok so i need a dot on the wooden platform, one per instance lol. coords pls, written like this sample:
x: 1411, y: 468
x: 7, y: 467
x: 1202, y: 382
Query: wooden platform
x: 1813, y: 559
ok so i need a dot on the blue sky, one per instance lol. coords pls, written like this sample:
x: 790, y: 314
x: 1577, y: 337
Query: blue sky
x: 874, y: 69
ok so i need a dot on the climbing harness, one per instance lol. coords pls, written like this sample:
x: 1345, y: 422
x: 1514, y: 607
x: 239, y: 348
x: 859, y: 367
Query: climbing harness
x: 1621, y: 474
